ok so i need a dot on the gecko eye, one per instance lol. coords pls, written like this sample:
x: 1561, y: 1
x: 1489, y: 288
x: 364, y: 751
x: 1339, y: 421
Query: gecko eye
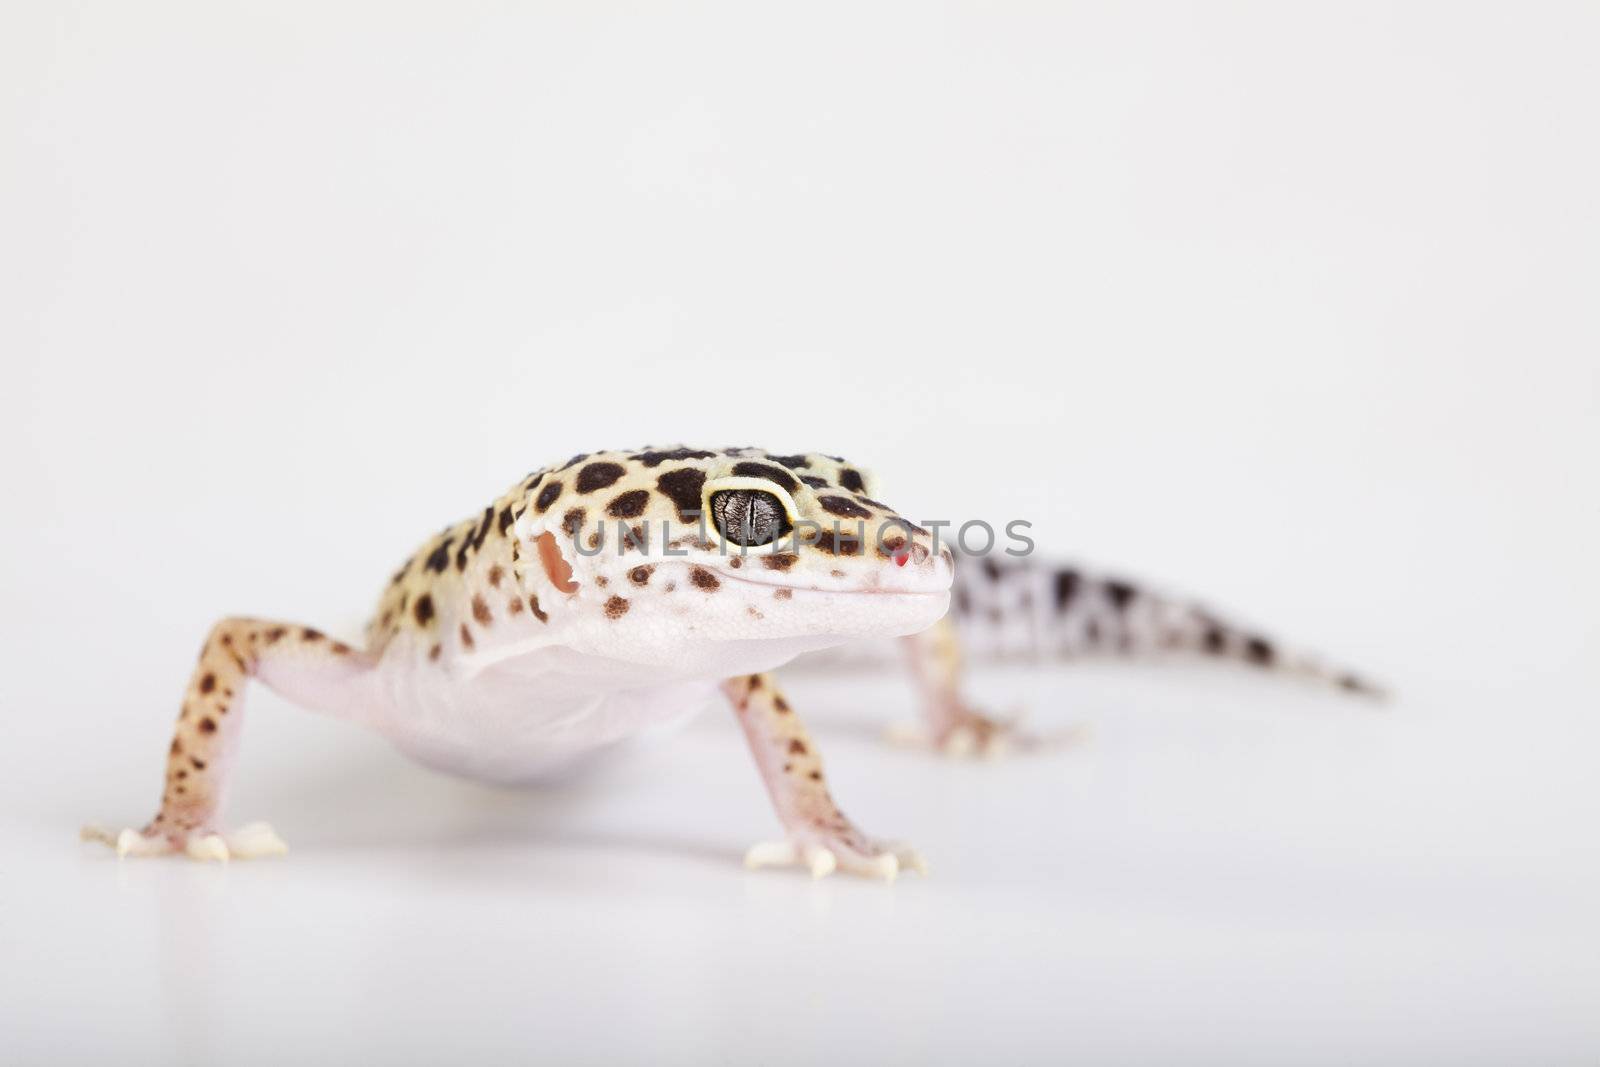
x: 748, y: 517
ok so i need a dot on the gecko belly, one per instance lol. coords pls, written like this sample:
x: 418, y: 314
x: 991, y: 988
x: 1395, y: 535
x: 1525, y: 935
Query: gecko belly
x: 526, y: 716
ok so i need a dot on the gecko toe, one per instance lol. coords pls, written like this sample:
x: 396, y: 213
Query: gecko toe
x: 255, y: 840
x: 822, y: 861
x: 207, y: 848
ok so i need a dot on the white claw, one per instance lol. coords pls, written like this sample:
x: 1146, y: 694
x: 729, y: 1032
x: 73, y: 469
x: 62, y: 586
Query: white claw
x: 911, y: 860
x: 129, y: 841
x: 254, y: 840
x: 822, y: 862
x: 209, y: 847
x: 770, y: 854
x: 887, y: 867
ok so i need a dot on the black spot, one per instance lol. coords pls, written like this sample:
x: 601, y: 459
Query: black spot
x: 439, y: 558
x: 547, y: 496
x: 572, y: 522
x: 531, y: 482
x: 655, y: 459
x: 779, y: 561
x: 308, y: 634
x: 682, y: 487
x: 506, y: 519
x: 704, y: 579
x: 1067, y: 583
x: 1120, y: 593
x: 533, y: 606
x: 641, y: 575
x: 851, y: 480
x: 480, y: 611
x: 792, y: 462
x: 616, y: 607
x: 776, y: 475
x: 1215, y: 639
x: 423, y: 609
x: 814, y: 482
x: 466, y: 638
x: 575, y: 460
x: 991, y: 569
x: 843, y: 506
x: 598, y: 476
x: 208, y: 726
x: 1258, y: 651
x: 208, y: 683
x: 629, y: 504
x: 836, y: 543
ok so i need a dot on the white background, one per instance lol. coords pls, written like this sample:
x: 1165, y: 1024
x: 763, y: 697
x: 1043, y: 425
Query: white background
x: 1292, y: 307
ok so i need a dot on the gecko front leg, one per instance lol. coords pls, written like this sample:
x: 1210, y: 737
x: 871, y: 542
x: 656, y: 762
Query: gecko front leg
x: 298, y: 662
x: 819, y: 834
x: 950, y: 724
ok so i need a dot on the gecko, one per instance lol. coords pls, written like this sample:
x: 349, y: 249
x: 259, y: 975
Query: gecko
x: 621, y: 591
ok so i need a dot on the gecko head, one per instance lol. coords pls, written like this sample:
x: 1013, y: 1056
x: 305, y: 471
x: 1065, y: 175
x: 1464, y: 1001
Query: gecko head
x: 662, y: 553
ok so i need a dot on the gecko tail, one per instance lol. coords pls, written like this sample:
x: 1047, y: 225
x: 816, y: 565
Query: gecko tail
x: 1033, y: 611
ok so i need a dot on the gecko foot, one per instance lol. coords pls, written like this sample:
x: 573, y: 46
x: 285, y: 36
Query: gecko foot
x: 250, y: 841
x: 824, y: 852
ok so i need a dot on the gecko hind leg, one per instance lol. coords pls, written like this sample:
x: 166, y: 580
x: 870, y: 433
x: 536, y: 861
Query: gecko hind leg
x: 820, y: 837
x: 297, y: 661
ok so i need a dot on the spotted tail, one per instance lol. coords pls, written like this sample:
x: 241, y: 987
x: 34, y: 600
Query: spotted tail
x: 1028, y: 611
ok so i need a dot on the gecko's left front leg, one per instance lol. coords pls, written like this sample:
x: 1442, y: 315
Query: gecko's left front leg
x: 819, y: 834
x: 296, y: 661
x: 950, y: 724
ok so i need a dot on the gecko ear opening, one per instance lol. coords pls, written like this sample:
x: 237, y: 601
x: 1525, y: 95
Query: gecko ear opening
x: 557, y: 569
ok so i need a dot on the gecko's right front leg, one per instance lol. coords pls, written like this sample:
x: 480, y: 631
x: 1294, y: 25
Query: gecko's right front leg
x: 297, y: 661
x: 820, y: 837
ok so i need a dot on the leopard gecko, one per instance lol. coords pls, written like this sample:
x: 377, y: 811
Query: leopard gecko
x: 620, y: 591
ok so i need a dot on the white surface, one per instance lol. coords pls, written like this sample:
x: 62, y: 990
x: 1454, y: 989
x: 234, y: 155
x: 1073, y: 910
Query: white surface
x: 1293, y: 309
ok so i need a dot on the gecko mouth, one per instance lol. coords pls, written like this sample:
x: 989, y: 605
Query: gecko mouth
x: 890, y: 591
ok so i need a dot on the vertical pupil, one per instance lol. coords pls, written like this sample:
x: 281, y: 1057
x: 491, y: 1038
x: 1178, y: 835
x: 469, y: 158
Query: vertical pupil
x: 745, y: 518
